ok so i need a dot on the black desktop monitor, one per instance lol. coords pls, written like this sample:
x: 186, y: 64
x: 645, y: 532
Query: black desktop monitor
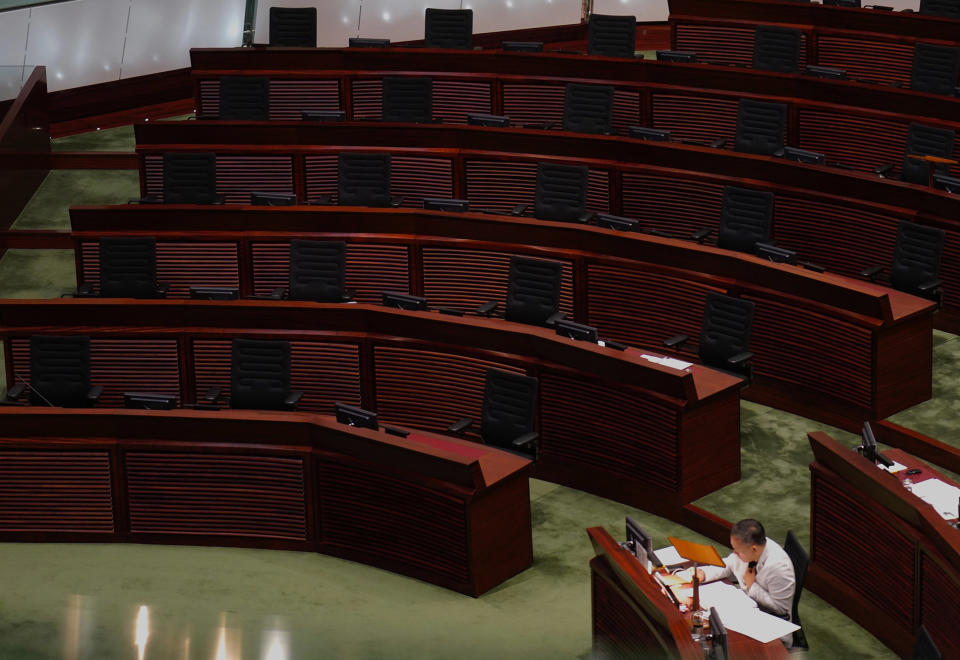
x: 804, y: 156
x: 577, y: 331
x: 524, y: 46
x: 355, y: 416
x: 687, y: 56
x: 404, y: 301
x: 652, y: 134
x: 777, y: 254
x: 364, y: 42
x: 718, y: 633
x: 483, y: 119
x: 608, y: 221
x: 323, y: 115
x: 273, y: 199
x: 149, y: 401
x: 869, y: 445
x: 214, y: 293
x: 446, y: 204
x: 638, y: 539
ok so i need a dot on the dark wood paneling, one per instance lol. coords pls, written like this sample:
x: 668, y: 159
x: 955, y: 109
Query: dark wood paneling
x: 24, y: 131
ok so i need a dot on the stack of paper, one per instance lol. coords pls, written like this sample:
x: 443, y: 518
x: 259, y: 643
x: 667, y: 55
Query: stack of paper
x: 759, y: 625
x: 673, y: 363
x: 940, y: 495
x: 669, y: 556
x: 896, y: 467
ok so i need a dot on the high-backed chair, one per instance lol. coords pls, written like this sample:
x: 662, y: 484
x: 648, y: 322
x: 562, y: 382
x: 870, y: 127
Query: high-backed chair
x: 800, y: 560
x: 59, y: 373
x: 724, y: 335
x: 776, y: 49
x: 509, y: 412
x: 363, y: 179
x: 745, y: 219
x: 760, y: 127
x: 259, y: 377
x: 407, y: 100
x: 946, y: 8
x: 916, y: 261
x: 293, y: 26
x: 587, y: 108
x: 245, y: 97
x: 190, y: 178
x: 448, y: 28
x: 533, y: 292
x: 611, y: 36
x: 560, y: 194
x: 128, y: 269
x: 317, y: 272
x: 935, y: 69
x: 924, y: 647
x: 922, y: 141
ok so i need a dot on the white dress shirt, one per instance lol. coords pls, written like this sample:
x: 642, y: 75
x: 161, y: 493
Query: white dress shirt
x: 775, y: 581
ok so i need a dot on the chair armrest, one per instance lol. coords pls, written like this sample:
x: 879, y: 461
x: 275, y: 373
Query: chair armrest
x: 567, y: 51
x: 676, y: 340
x: 460, y: 426
x: 541, y: 125
x: 94, y: 394
x: 553, y: 318
x: 213, y: 394
x: 450, y: 311
x: 348, y: 295
x: 884, y: 170
x: 809, y: 265
x: 930, y: 286
x: 526, y: 440
x: 395, y: 202
x: 85, y: 290
x: 163, y: 288
x: 871, y: 272
x: 719, y: 143
x: 658, y: 232
x: 292, y: 399
x: 487, y: 308
x: 586, y: 217
x: 278, y: 294
x: 519, y: 209
x: 322, y: 200
x: 701, y: 234
x: 780, y: 153
x: 16, y: 391
x: 740, y: 358
x: 219, y: 198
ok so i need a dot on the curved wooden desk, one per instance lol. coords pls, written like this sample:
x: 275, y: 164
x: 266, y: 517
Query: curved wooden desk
x: 879, y: 553
x: 827, y: 347
x: 867, y: 43
x: 857, y: 123
x: 633, y: 618
x: 610, y: 422
x: 443, y: 510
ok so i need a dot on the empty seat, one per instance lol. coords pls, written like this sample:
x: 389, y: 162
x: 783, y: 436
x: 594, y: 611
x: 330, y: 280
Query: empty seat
x: 587, y: 108
x: 533, y: 291
x: 561, y: 193
x: 293, y: 26
x: 245, y: 97
x: 946, y: 8
x: 760, y: 127
x: 448, y: 28
x: 724, y: 335
x: 59, y: 373
x: 317, y: 272
x: 745, y: 219
x: 364, y: 180
x: 917, y: 255
x: 128, y: 269
x: 259, y: 377
x: 509, y: 412
x: 924, y: 141
x: 190, y: 178
x: 611, y: 36
x: 776, y: 49
x: 408, y: 100
x: 935, y: 69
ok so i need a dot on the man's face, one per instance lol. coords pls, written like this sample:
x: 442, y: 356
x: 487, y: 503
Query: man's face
x: 744, y: 551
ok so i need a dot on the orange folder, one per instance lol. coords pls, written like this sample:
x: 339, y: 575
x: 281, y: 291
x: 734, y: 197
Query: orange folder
x: 704, y: 555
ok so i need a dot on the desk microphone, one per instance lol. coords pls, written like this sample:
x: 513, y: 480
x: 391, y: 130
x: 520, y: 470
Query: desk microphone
x: 33, y: 389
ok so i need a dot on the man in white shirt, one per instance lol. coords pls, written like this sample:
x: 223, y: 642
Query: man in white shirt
x: 760, y: 565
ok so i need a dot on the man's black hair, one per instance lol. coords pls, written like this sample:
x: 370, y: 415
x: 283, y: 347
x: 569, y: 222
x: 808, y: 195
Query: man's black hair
x: 749, y: 531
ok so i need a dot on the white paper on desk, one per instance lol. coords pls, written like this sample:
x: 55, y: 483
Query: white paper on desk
x: 673, y: 363
x: 940, y: 495
x: 725, y: 597
x: 669, y: 556
x: 758, y: 625
x: 896, y: 467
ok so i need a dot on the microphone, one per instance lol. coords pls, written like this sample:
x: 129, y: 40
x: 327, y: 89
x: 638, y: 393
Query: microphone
x: 33, y: 389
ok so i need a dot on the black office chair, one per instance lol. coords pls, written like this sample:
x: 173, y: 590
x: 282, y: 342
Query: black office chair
x: 560, y: 194
x: 128, y: 269
x: 800, y: 560
x: 245, y: 97
x: 509, y: 413
x: 59, y: 374
x: 760, y: 127
x: 587, y: 108
x: 611, y: 36
x: 317, y: 272
x: 293, y: 26
x: 190, y: 178
x: 724, y: 335
x: 745, y: 219
x: 917, y: 254
x: 776, y: 49
x: 533, y: 292
x: 923, y: 141
x: 448, y: 28
x: 407, y: 100
x: 924, y: 647
x: 363, y: 180
x: 935, y: 69
x: 259, y: 377
x: 945, y: 8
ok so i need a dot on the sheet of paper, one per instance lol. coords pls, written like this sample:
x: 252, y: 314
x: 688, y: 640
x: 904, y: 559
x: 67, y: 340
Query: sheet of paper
x: 673, y: 363
x: 722, y: 596
x: 753, y: 623
x: 896, y: 467
x: 940, y: 495
x: 669, y: 556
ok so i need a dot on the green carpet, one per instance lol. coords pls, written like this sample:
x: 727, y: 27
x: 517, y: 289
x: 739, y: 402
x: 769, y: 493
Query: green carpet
x: 81, y: 601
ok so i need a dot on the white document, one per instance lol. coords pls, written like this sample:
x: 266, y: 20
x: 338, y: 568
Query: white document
x: 896, y: 467
x: 673, y: 363
x: 758, y: 625
x: 669, y: 556
x: 725, y: 597
x: 940, y: 495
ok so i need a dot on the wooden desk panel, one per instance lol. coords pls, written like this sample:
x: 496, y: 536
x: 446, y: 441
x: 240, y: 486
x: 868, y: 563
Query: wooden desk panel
x: 879, y: 553
x: 421, y: 506
x: 602, y: 414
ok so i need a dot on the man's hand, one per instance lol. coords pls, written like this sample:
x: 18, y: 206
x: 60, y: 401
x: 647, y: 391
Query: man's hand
x: 700, y: 575
x: 749, y: 577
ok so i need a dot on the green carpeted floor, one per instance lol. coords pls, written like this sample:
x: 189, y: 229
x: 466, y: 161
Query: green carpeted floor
x: 81, y: 601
